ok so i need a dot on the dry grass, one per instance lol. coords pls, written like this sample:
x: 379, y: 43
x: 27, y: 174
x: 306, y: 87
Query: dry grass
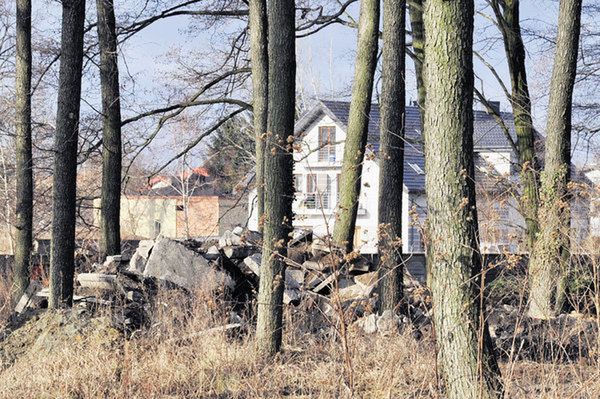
x: 158, y: 364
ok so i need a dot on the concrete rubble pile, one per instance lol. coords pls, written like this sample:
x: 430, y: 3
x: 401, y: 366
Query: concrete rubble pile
x: 317, y: 281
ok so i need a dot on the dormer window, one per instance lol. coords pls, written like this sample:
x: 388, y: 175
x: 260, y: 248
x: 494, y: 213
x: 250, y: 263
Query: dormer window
x: 416, y: 168
x: 326, y: 143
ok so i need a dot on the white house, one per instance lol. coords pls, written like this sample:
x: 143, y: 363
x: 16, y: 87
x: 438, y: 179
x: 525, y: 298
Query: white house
x: 321, y: 133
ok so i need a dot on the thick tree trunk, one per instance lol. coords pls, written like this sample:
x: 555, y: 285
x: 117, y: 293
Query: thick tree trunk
x: 551, y: 253
x: 65, y: 155
x: 24, y: 161
x: 391, y: 154
x: 111, y: 137
x: 415, y: 12
x: 507, y: 15
x: 358, y: 124
x: 279, y: 164
x: 260, y: 71
x: 465, y: 353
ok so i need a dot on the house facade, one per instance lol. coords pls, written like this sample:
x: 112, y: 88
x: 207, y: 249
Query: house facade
x: 321, y: 133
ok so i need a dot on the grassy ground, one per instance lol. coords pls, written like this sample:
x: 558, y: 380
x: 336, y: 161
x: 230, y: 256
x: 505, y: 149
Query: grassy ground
x: 158, y: 363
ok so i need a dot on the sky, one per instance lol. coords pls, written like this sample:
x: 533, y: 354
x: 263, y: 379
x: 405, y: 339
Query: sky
x: 325, y: 61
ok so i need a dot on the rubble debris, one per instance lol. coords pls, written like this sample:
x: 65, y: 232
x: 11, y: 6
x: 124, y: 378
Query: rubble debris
x: 98, y: 281
x: 212, y: 253
x: 172, y: 261
x: 238, y: 252
x: 299, y: 237
x: 138, y: 260
x: 253, y: 263
x: 30, y: 292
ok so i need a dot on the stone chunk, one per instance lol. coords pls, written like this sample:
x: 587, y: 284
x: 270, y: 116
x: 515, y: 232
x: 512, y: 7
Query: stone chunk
x: 253, y: 263
x: 172, y: 261
x: 212, y: 253
x: 97, y: 281
x: 367, y: 279
x: 32, y: 289
x: 137, y: 264
x: 388, y: 323
x: 368, y: 324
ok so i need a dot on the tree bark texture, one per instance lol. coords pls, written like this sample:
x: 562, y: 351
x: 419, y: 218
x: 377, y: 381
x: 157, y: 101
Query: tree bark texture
x: 279, y: 164
x: 415, y: 12
x: 391, y: 154
x: 507, y: 15
x: 24, y: 159
x: 551, y: 254
x: 65, y: 155
x: 465, y: 354
x: 111, y: 137
x: 358, y: 124
x: 260, y: 71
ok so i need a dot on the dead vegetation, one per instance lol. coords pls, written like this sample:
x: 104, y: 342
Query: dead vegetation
x: 184, y: 351
x: 152, y: 364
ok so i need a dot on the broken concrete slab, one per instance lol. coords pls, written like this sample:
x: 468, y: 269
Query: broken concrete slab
x: 368, y: 324
x: 294, y: 278
x: 253, y: 263
x: 172, y: 261
x: 355, y: 292
x: 212, y: 253
x: 238, y: 252
x: 367, y: 279
x: 99, y: 281
x: 291, y: 297
x: 111, y: 264
x: 137, y: 263
x: 388, y: 323
x: 32, y: 289
x: 300, y: 236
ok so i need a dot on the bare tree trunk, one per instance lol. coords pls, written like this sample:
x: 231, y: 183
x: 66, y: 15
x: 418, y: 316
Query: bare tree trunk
x: 358, y: 124
x: 551, y: 253
x: 465, y: 354
x: 65, y: 155
x: 24, y: 161
x: 391, y: 154
x: 111, y: 137
x: 260, y: 94
x: 279, y: 165
x: 507, y: 15
x: 415, y: 12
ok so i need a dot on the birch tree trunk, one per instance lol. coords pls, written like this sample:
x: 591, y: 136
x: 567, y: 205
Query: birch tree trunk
x: 391, y: 154
x: 260, y: 71
x: 24, y: 161
x: 111, y: 137
x: 465, y: 354
x: 65, y: 155
x: 279, y: 164
x: 358, y: 124
x: 507, y: 15
x: 551, y: 254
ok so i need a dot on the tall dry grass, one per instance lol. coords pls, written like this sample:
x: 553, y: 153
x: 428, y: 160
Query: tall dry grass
x: 161, y: 363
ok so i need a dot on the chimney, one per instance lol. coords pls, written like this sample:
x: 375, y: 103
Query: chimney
x: 495, y: 105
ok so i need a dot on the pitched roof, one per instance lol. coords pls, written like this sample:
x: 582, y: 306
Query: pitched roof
x: 487, y: 134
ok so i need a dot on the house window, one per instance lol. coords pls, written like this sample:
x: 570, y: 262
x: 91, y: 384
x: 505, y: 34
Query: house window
x: 326, y: 143
x: 298, y: 183
x: 418, y: 170
x: 318, y: 191
x: 417, y: 215
x: 179, y: 208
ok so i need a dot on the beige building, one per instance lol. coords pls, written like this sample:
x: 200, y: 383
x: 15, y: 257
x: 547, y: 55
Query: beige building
x: 145, y: 217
